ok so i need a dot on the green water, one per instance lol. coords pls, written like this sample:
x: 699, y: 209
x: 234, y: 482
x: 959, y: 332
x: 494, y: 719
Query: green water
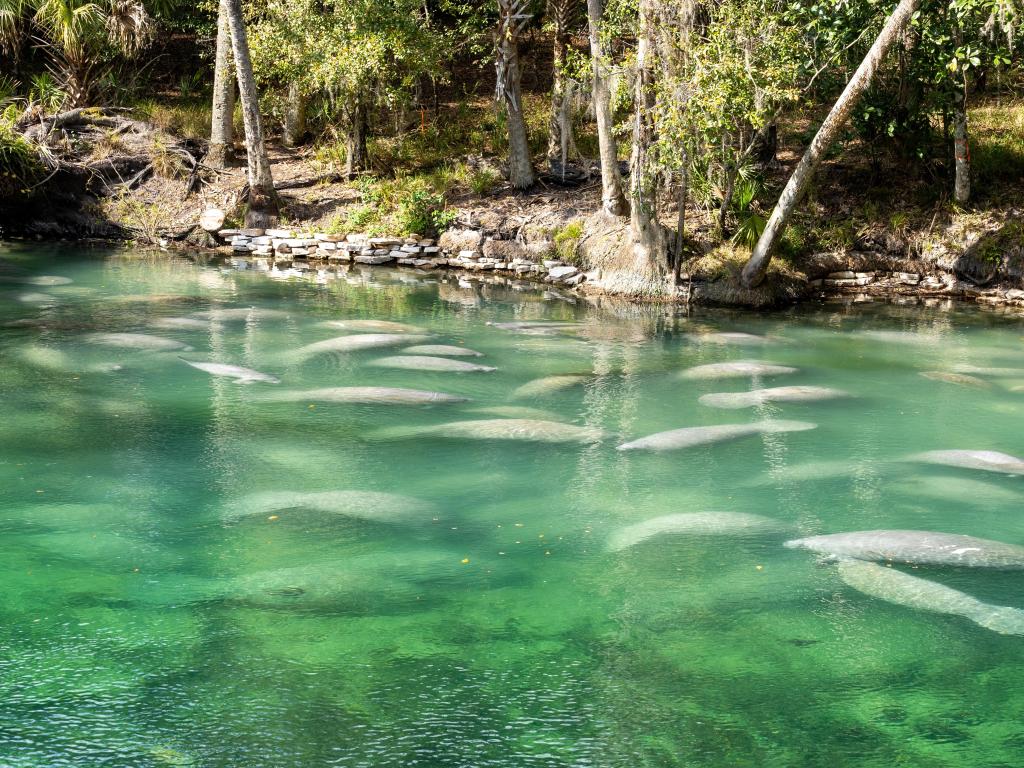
x: 146, y: 620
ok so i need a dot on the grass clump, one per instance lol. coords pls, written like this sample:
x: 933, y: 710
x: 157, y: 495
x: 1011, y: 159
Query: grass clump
x: 567, y: 243
x: 20, y: 168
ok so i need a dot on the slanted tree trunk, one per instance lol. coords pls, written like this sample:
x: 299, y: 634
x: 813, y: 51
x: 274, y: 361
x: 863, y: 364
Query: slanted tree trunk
x: 757, y: 266
x: 357, y: 158
x: 613, y: 200
x: 222, y: 126
x: 561, y: 141
x: 512, y: 18
x: 294, y: 115
x: 647, y: 237
x: 961, y: 153
x: 262, y: 198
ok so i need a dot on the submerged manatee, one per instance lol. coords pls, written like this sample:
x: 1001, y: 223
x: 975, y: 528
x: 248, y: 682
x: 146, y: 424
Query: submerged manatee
x: 735, y: 370
x: 988, y: 461
x: 744, y: 339
x: 900, y: 588
x: 692, y: 524
x: 356, y: 342
x: 535, y: 325
x: 735, y: 400
x: 243, y: 313
x: 527, y: 430
x: 366, y: 395
x: 517, y: 412
x: 179, y: 324
x: 980, y: 370
x: 52, y: 359
x: 441, y: 349
x: 961, y: 379
x: 426, y: 363
x: 380, y: 326
x: 548, y: 385
x: 917, y: 548
x: 689, y: 437
x: 139, y: 341
x: 961, y: 489
x: 365, y: 505
x: 49, y: 280
x: 240, y: 374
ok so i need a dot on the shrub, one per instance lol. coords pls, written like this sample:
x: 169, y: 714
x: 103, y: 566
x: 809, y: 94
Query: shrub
x: 423, y: 212
x: 567, y: 242
x: 20, y: 168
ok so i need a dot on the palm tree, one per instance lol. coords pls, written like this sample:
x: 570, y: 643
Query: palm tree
x: 79, y: 35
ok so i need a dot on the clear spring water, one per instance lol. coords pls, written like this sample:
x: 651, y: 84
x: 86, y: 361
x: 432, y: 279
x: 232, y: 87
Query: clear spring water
x: 147, y: 620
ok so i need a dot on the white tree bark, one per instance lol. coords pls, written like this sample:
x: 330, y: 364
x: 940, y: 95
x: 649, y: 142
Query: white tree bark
x: 561, y: 141
x: 962, y: 157
x: 262, y: 198
x: 294, y: 116
x: 512, y: 18
x: 756, y: 268
x: 222, y: 125
x: 646, y: 250
x: 613, y: 200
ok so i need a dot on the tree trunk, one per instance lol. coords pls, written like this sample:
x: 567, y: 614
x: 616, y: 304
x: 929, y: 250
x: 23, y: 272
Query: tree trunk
x: 511, y: 20
x: 222, y: 126
x: 646, y: 234
x: 560, y: 134
x: 961, y: 157
x: 357, y: 158
x: 262, y: 198
x: 613, y: 200
x: 294, y: 116
x: 757, y: 266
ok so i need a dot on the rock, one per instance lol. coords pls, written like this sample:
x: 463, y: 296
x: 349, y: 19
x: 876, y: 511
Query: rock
x: 552, y: 263
x: 504, y: 250
x: 375, y: 259
x: 355, y: 238
x: 469, y: 255
x: 227, y: 234
x: 252, y: 232
x: 846, y: 275
x: 328, y: 245
x: 384, y: 242
x: 562, y: 272
x: 457, y: 240
x: 321, y: 237
x: 299, y: 252
x: 575, y: 280
x: 212, y: 219
x: 1014, y: 294
x: 411, y: 248
x: 280, y: 234
x: 908, y: 278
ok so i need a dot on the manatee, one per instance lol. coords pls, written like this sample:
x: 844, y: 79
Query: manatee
x: 900, y: 337
x: 961, y: 379
x: 988, y: 461
x: 242, y: 313
x: 735, y: 370
x: 691, y: 524
x: 49, y: 280
x: 689, y: 437
x: 366, y: 395
x: 517, y: 412
x: 242, y: 375
x: 364, y: 505
x: 179, y: 324
x: 548, y: 385
x: 527, y: 430
x: 37, y: 298
x: 425, y: 363
x: 744, y: 339
x: 441, y: 349
x: 917, y: 548
x: 979, y: 370
x: 356, y: 342
x: 900, y: 588
x: 379, y: 326
x: 51, y: 359
x: 961, y: 489
x: 526, y: 325
x: 735, y: 400
x: 139, y: 341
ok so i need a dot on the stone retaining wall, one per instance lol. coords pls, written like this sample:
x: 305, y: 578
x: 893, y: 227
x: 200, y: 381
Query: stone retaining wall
x: 461, y: 249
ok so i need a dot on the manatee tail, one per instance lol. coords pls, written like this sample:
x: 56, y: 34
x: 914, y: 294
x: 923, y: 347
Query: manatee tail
x: 773, y: 427
x: 1000, y: 618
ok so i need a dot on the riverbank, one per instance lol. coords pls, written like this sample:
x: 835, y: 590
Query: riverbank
x: 854, y: 236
